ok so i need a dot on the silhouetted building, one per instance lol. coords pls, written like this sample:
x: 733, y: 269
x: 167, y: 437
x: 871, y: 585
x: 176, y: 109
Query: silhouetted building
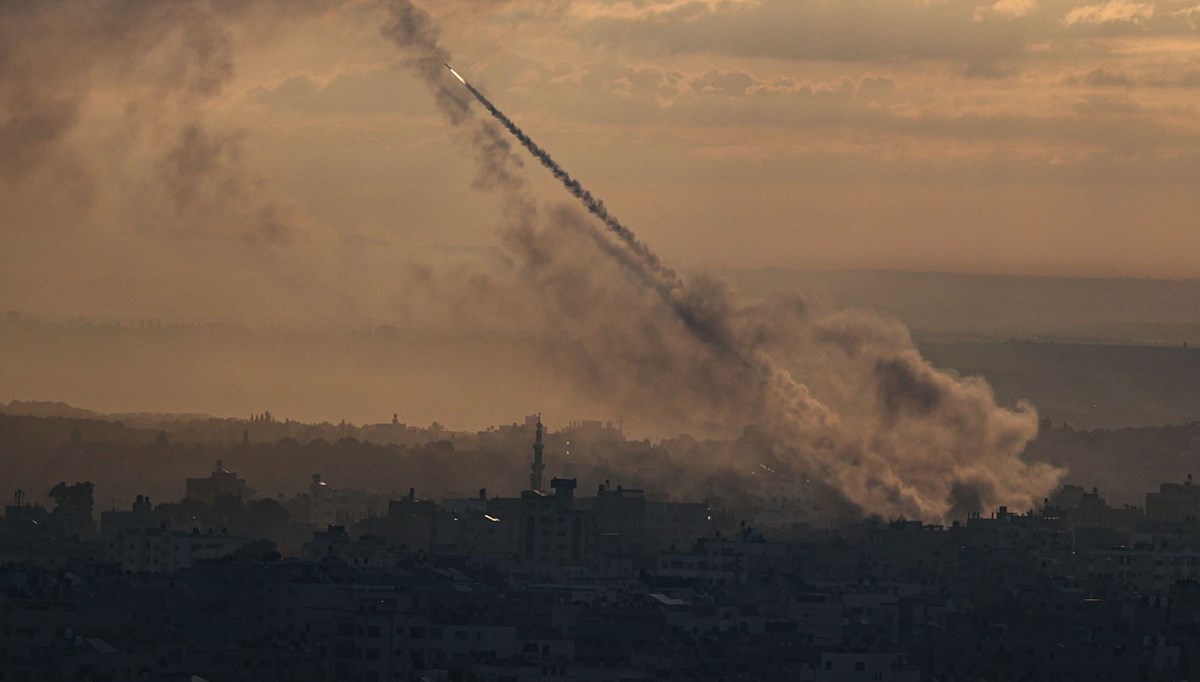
x: 1174, y: 502
x: 72, y: 513
x: 140, y: 515
x: 553, y: 531
x: 621, y: 513
x: 410, y: 524
x: 328, y: 505
x: 219, y: 483
x: 157, y: 550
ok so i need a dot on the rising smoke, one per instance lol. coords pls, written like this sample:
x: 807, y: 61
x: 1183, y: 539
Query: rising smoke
x: 116, y: 156
x: 868, y: 416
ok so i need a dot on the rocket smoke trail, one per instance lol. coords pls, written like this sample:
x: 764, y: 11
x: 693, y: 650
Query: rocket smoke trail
x: 594, y: 206
x: 663, y: 279
x: 870, y: 420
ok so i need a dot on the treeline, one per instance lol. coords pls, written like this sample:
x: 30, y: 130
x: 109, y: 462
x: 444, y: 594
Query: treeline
x: 124, y: 462
x: 203, y: 428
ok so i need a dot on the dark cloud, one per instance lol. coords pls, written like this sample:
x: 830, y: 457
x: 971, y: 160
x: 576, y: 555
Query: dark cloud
x: 32, y: 122
x: 1103, y: 78
x: 724, y: 83
x: 1110, y: 78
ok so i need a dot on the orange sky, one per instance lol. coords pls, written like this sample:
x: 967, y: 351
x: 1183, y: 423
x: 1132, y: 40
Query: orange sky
x: 169, y: 158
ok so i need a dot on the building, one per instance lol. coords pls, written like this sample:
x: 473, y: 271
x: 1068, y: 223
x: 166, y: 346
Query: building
x: 219, y: 483
x: 155, y: 550
x: 141, y: 515
x: 328, y: 506
x: 1174, y: 502
x: 553, y: 530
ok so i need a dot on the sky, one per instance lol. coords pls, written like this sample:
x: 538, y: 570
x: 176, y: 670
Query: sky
x: 215, y: 160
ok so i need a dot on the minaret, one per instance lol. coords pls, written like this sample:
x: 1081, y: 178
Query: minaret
x: 538, y: 466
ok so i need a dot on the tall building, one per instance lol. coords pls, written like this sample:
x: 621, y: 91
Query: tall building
x: 553, y: 529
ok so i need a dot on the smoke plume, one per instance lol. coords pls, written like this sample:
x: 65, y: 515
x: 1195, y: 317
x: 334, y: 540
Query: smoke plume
x: 117, y: 154
x: 840, y: 397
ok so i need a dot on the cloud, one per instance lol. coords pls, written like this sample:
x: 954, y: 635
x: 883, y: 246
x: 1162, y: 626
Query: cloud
x: 1006, y: 9
x: 364, y: 91
x: 852, y: 30
x: 1190, y: 15
x: 724, y: 83
x: 1113, y: 11
x: 1104, y: 78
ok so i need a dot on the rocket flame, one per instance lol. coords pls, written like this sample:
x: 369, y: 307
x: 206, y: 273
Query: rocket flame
x: 460, y: 78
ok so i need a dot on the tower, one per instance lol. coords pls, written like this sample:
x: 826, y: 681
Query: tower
x: 538, y: 466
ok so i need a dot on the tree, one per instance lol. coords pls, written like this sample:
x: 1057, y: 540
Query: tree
x: 72, y: 513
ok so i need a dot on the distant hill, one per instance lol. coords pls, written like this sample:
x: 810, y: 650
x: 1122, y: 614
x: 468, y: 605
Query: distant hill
x: 1089, y: 386
x: 1095, y: 310
x: 46, y: 408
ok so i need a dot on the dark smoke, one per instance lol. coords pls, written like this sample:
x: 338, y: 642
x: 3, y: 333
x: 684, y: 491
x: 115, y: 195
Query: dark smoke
x: 425, y: 56
x: 890, y: 433
x: 902, y: 390
x: 168, y: 61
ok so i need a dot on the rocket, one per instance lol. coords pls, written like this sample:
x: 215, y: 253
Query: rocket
x: 460, y: 78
